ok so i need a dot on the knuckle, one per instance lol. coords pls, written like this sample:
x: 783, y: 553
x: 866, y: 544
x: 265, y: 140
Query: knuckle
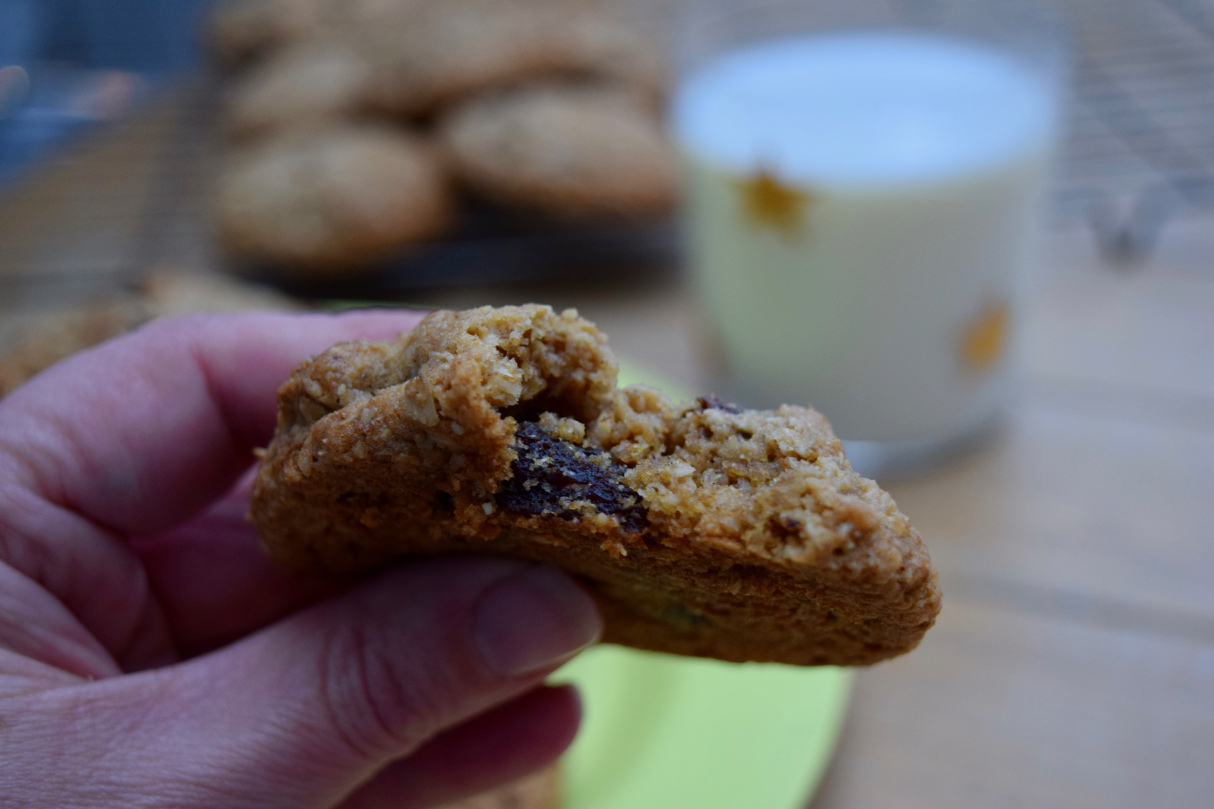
x: 375, y: 700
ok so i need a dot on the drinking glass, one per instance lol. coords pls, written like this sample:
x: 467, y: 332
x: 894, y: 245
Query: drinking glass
x: 862, y: 186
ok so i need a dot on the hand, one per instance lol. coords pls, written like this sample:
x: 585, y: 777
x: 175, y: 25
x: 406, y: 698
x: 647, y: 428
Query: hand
x: 151, y: 655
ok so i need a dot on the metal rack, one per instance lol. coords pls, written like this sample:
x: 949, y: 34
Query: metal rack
x: 1140, y: 149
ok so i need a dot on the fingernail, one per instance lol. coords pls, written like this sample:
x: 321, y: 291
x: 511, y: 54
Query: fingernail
x: 534, y: 619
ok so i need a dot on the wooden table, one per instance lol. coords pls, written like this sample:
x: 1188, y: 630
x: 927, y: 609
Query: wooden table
x: 1073, y: 663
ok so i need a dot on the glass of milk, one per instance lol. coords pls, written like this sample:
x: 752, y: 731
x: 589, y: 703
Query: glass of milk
x: 862, y: 185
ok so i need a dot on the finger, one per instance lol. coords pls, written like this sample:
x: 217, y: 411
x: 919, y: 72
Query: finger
x: 35, y: 628
x: 213, y: 581
x: 141, y: 432
x: 305, y: 712
x: 494, y: 748
x: 83, y: 589
x: 134, y: 436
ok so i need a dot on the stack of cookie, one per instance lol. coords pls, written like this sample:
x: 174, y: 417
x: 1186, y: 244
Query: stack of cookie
x: 354, y: 127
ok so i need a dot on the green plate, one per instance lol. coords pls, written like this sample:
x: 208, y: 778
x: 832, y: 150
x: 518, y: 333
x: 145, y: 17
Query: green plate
x: 666, y: 732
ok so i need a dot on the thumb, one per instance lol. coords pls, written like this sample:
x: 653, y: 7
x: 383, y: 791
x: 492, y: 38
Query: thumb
x: 303, y: 712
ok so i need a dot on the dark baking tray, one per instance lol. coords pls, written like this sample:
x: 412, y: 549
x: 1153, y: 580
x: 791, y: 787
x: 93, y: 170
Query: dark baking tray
x: 492, y: 246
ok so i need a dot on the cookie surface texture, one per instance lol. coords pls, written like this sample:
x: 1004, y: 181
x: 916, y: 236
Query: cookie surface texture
x: 568, y: 151
x: 455, y: 49
x: 242, y: 30
x: 332, y: 199
x: 308, y: 84
x: 699, y: 529
x: 60, y: 334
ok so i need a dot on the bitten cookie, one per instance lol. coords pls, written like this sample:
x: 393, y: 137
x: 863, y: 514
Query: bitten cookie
x: 565, y: 150
x: 332, y: 199
x: 700, y: 529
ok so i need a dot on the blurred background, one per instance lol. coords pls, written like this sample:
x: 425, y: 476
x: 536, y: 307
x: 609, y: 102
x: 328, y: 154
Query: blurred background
x: 1139, y: 154
x: 1074, y: 662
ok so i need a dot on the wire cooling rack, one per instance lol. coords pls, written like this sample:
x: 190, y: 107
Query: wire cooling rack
x: 1140, y: 149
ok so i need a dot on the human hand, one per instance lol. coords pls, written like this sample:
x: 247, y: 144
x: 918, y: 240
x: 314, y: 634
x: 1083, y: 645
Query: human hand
x: 150, y: 655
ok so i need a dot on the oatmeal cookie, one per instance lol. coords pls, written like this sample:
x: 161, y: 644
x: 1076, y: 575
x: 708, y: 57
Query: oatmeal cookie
x: 617, y: 56
x: 241, y: 30
x: 699, y: 529
x: 55, y: 335
x: 332, y: 199
x: 244, y: 31
x: 177, y: 292
x: 568, y: 151
x: 60, y: 334
x: 457, y: 49
x: 308, y: 84
x: 414, y: 68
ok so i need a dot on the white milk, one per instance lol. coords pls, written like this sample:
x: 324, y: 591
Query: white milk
x: 860, y: 212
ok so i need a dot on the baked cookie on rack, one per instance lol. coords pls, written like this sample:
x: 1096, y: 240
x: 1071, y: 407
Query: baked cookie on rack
x: 310, y: 84
x: 700, y: 529
x: 332, y: 199
x: 453, y: 50
x: 60, y: 334
x: 566, y: 150
x: 244, y: 31
x: 56, y: 334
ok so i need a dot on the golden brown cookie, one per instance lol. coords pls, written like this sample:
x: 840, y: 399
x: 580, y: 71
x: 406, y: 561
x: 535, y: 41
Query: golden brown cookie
x: 409, y: 66
x: 565, y: 150
x: 332, y: 199
x: 535, y: 791
x: 177, y: 292
x: 619, y: 57
x: 449, y: 51
x: 60, y: 334
x: 699, y: 529
x: 241, y: 30
x: 307, y: 84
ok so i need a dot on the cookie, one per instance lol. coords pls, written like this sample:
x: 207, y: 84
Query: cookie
x: 176, y: 292
x: 332, y: 199
x: 617, y: 56
x: 409, y: 68
x: 565, y: 150
x: 242, y: 30
x: 700, y: 529
x: 245, y: 31
x: 535, y: 791
x: 61, y: 334
x: 307, y: 84
x: 449, y: 51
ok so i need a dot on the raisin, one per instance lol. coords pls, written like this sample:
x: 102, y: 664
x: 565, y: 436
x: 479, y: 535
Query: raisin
x: 713, y: 403
x: 550, y: 474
